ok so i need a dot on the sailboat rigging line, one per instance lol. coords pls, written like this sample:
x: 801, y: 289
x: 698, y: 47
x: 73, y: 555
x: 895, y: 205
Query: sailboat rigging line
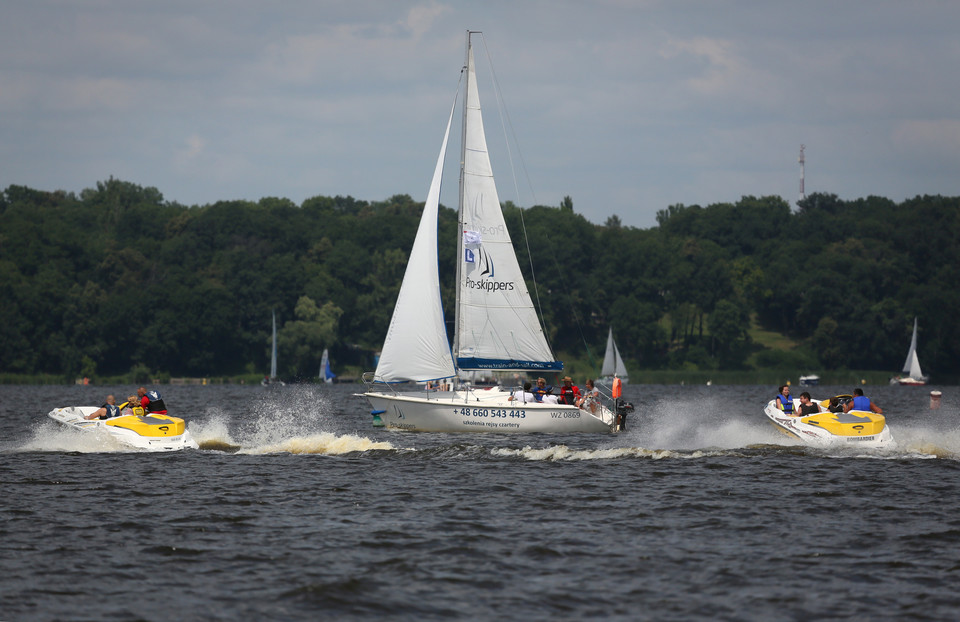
x: 505, y: 121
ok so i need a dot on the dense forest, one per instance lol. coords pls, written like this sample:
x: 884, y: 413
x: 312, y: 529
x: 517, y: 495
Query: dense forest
x: 118, y: 280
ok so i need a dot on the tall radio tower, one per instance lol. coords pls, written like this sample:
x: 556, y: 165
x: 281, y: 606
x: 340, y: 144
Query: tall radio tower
x: 803, y: 195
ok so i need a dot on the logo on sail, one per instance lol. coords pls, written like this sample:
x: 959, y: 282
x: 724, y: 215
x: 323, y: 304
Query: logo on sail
x: 486, y: 264
x: 487, y: 272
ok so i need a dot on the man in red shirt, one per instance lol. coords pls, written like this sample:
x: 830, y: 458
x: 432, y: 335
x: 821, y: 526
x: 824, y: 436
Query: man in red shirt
x: 151, y: 402
x: 569, y: 392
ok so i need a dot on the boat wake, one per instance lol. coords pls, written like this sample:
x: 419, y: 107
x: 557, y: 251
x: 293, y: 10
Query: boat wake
x: 49, y: 436
x: 560, y: 453
x: 927, y: 441
x: 295, y: 420
x: 324, y: 443
x: 699, y: 424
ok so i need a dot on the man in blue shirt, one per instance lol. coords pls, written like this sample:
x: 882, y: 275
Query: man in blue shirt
x: 861, y: 402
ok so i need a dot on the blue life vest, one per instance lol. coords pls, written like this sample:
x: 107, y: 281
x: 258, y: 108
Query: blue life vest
x: 786, y: 404
x: 112, y: 411
x: 861, y: 402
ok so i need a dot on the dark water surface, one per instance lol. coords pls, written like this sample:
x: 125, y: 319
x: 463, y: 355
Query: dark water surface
x: 295, y: 508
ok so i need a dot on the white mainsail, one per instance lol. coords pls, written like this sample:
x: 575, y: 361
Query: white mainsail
x: 612, y: 363
x: 497, y: 324
x: 416, y: 347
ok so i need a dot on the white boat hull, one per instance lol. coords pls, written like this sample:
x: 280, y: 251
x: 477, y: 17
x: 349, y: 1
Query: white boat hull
x: 912, y: 382
x: 148, y: 432
x: 482, y: 411
x: 859, y: 429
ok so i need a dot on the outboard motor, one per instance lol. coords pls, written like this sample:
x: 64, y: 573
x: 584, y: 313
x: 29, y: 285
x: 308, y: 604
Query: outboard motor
x: 622, y: 408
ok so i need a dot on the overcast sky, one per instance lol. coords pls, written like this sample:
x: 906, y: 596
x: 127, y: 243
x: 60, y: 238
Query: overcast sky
x: 627, y: 106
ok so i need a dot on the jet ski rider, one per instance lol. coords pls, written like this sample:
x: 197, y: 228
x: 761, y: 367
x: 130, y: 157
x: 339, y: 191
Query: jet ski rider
x: 152, y: 402
x: 131, y: 407
x: 784, y: 401
x: 861, y: 402
x: 107, y: 410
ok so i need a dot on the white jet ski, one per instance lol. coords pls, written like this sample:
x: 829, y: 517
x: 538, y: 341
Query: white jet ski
x: 857, y: 428
x: 149, y: 432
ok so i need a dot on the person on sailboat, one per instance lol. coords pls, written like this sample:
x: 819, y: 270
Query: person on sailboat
x: 540, y: 390
x: 784, y: 401
x: 861, y: 402
x: 522, y: 395
x: 591, y: 397
x: 569, y: 392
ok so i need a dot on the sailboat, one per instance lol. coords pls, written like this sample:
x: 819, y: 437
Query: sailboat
x: 911, y: 366
x: 612, y: 364
x: 496, y: 325
x: 272, y: 378
x: 326, y: 374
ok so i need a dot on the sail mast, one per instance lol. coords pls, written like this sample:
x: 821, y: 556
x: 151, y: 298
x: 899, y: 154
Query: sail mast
x: 463, y: 148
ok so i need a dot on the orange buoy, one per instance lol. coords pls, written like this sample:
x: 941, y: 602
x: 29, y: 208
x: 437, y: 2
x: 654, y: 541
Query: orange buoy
x: 617, y: 388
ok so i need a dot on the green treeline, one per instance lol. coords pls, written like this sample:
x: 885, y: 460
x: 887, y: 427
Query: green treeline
x: 118, y: 280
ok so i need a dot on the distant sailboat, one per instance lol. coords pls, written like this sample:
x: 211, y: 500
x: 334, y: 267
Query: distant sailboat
x: 911, y: 366
x: 272, y: 378
x: 326, y: 374
x: 612, y: 363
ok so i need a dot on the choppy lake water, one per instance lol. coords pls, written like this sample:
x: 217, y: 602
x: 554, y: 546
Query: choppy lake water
x: 295, y: 508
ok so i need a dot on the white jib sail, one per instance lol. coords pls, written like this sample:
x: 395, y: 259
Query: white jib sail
x: 416, y: 347
x: 497, y: 325
x: 914, y: 370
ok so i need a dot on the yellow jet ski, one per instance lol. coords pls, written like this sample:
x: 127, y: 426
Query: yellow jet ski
x: 151, y: 432
x: 857, y: 428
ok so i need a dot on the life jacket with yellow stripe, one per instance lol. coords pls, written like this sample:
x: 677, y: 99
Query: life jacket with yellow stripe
x: 786, y: 404
x: 134, y: 406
